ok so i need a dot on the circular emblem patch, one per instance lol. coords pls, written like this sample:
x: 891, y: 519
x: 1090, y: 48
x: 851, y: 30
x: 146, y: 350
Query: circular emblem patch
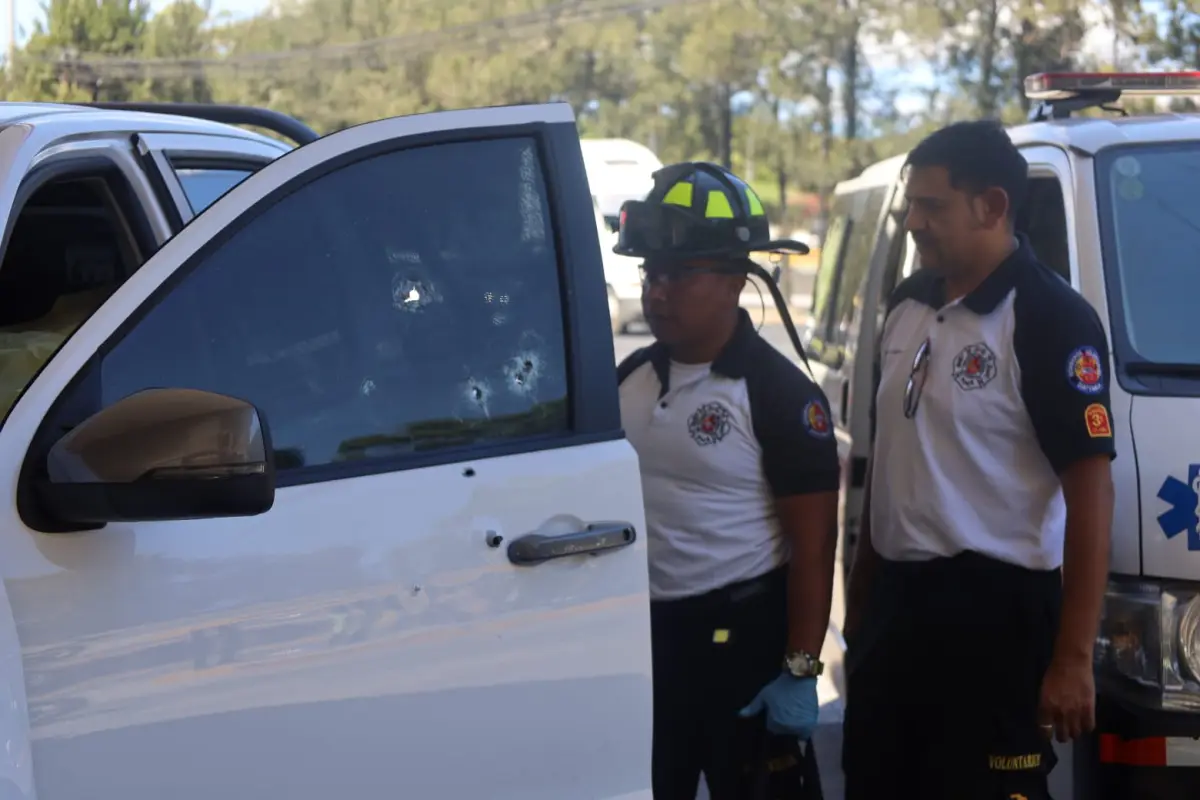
x: 816, y: 420
x: 974, y: 367
x: 709, y: 424
x: 1084, y: 372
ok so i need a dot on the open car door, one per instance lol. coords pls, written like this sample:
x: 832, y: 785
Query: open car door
x: 447, y: 595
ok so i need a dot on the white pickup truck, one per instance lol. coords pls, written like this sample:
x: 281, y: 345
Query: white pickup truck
x: 323, y: 491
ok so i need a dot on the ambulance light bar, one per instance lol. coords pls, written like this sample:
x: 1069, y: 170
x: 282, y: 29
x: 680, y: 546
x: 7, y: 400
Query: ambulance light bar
x: 1066, y: 85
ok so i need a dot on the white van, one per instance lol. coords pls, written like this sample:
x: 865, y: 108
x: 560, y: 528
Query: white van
x: 618, y: 170
x: 1112, y: 208
x: 622, y: 278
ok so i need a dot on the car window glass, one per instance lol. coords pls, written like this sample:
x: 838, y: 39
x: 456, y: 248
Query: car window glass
x: 860, y: 245
x: 831, y: 249
x: 203, y: 185
x: 1043, y: 218
x: 403, y: 303
x: 1154, y: 237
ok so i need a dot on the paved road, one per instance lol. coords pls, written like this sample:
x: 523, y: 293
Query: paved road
x: 828, y: 739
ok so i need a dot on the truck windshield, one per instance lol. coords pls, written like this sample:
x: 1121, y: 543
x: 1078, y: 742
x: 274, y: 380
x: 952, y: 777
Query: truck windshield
x: 1150, y: 215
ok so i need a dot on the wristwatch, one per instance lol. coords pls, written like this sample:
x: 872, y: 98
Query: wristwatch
x: 802, y: 665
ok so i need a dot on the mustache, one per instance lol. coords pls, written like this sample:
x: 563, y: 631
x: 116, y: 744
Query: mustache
x: 922, y: 239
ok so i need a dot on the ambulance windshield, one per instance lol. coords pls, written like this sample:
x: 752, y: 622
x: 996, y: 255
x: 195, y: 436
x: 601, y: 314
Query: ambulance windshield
x: 1150, y: 218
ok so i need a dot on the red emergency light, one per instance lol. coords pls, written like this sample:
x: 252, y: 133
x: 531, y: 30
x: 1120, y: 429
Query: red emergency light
x: 1065, y: 85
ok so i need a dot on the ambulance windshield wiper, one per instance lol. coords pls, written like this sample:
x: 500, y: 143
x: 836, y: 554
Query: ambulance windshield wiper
x: 1164, y: 368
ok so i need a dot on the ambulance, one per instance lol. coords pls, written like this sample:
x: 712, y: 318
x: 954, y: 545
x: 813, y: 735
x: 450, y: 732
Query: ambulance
x: 1114, y: 208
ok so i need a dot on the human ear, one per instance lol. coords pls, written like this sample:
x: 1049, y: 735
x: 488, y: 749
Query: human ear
x: 991, y: 207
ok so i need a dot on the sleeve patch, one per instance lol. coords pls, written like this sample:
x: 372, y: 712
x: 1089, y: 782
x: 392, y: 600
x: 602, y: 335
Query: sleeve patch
x: 816, y: 420
x: 1084, y: 372
x: 1098, y: 425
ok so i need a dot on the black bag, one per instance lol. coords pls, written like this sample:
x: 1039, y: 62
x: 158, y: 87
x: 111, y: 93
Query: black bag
x: 785, y: 769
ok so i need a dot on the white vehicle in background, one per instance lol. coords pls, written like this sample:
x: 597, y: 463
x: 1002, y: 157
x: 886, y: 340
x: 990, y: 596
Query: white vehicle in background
x: 618, y: 170
x: 316, y: 483
x: 1113, y: 209
x: 622, y: 277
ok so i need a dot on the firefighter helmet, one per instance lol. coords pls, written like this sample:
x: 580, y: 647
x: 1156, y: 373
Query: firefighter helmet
x: 698, y: 210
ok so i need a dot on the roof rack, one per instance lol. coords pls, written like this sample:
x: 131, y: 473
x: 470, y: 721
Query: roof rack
x: 274, y: 121
x: 1062, y: 93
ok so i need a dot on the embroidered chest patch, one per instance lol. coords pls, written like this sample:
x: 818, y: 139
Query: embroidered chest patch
x: 974, y: 367
x: 710, y: 423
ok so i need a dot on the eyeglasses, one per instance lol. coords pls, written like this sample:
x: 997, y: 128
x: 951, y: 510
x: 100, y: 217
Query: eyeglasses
x: 667, y: 275
x: 916, y: 380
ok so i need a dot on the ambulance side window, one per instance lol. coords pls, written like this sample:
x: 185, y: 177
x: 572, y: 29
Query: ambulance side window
x: 1044, y: 220
x: 855, y: 267
x: 833, y: 248
x: 897, y: 254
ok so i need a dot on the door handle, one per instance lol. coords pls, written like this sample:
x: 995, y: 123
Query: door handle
x: 599, y: 537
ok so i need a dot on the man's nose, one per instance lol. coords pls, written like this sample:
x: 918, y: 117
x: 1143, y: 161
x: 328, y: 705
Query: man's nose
x: 913, y: 221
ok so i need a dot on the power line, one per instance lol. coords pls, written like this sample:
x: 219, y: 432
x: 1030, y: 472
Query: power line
x: 369, y: 53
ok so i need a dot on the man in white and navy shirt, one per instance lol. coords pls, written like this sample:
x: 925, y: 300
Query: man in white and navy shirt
x: 970, y: 632
x: 740, y: 475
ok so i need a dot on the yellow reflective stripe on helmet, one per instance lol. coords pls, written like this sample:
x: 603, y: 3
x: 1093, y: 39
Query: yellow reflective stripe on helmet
x: 680, y: 195
x: 756, y: 206
x: 718, y: 206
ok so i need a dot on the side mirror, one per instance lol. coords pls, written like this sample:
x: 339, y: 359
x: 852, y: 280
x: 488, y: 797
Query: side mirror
x: 807, y: 335
x: 162, y: 454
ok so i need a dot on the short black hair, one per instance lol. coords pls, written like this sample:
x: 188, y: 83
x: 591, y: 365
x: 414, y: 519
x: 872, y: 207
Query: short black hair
x: 979, y: 156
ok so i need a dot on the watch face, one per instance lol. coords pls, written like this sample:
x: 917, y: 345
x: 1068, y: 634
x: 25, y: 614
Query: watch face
x: 803, y: 665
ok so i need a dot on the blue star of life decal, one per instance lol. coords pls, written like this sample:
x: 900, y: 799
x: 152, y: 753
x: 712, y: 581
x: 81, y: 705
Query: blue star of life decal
x: 1185, y: 500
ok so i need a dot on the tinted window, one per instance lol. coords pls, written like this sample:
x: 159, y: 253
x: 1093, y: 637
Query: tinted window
x: 860, y: 246
x: 831, y: 251
x: 1151, y: 246
x: 403, y: 303
x: 900, y: 243
x: 1043, y: 219
x: 203, y: 186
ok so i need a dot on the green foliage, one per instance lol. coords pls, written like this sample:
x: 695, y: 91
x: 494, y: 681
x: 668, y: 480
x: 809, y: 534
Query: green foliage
x: 786, y: 91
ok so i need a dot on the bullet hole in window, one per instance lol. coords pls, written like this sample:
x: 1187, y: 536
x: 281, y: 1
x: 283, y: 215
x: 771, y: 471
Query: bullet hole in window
x: 522, y: 372
x: 409, y: 294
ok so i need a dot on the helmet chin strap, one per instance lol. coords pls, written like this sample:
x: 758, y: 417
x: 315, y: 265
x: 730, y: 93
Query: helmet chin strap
x: 781, y: 306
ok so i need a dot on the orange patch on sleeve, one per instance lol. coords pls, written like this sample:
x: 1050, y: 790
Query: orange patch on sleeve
x: 1098, y: 425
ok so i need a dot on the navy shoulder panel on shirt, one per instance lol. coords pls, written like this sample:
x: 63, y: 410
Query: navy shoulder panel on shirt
x: 631, y: 362
x: 1045, y: 300
x: 1063, y: 355
x: 792, y: 423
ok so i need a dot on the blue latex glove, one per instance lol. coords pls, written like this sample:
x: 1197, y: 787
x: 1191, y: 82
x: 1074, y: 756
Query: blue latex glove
x: 791, y: 705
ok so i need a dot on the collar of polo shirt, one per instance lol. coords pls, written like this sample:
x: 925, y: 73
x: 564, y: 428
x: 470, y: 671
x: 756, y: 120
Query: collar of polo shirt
x: 984, y: 298
x: 730, y: 362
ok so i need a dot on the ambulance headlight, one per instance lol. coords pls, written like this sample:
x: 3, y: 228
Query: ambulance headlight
x: 1150, y: 634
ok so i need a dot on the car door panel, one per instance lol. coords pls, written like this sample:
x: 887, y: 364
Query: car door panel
x: 413, y: 663
x: 369, y: 633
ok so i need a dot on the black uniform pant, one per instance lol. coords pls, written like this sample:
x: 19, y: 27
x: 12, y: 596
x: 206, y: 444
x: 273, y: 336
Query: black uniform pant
x: 712, y: 653
x: 943, y: 682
